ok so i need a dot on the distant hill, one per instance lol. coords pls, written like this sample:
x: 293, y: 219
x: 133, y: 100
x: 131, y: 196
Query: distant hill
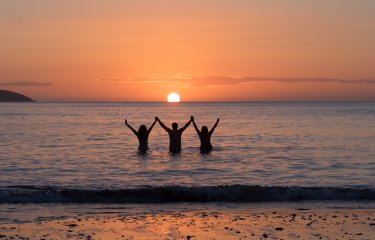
x: 9, y: 96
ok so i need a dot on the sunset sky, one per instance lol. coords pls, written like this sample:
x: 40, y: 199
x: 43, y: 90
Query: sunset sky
x: 213, y: 50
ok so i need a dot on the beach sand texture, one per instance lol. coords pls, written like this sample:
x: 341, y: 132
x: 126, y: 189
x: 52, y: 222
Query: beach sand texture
x: 268, y: 224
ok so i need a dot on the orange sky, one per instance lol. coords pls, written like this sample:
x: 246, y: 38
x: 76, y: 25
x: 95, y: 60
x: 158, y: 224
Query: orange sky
x: 237, y: 50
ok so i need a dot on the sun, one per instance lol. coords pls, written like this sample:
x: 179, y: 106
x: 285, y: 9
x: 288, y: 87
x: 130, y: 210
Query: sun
x: 173, y: 97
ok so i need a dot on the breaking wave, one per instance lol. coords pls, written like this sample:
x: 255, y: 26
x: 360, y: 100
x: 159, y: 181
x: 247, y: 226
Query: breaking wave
x: 173, y: 194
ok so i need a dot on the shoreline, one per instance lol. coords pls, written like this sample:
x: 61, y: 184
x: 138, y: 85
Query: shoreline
x: 304, y: 220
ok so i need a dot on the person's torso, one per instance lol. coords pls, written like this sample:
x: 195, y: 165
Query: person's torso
x: 143, y: 143
x: 205, y: 142
x: 175, y: 140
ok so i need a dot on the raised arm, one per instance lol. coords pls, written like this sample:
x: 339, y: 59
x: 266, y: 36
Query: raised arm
x: 184, y: 127
x: 162, y: 125
x: 213, y: 128
x: 134, y: 131
x: 153, y: 124
x: 195, y: 125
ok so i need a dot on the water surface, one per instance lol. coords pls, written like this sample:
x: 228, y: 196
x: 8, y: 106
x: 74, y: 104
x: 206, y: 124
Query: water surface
x: 86, y: 145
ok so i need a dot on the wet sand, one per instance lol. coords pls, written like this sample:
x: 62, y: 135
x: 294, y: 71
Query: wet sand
x: 222, y: 224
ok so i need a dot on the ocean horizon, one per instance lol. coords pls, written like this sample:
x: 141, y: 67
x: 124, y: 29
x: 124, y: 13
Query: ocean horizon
x: 184, y: 102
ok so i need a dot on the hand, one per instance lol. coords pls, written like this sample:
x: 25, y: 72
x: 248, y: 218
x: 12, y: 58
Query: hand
x: 157, y: 119
x: 126, y: 121
x: 192, y: 118
x: 218, y: 120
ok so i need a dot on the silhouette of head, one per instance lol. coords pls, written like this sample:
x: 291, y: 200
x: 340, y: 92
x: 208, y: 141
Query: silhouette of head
x: 204, y: 130
x: 174, y: 126
x: 142, y: 131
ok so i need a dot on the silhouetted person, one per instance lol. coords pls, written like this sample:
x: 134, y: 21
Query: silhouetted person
x: 174, y: 135
x: 142, y: 135
x: 205, y: 136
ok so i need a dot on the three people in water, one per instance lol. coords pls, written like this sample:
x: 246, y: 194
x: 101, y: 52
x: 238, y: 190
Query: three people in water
x: 175, y: 135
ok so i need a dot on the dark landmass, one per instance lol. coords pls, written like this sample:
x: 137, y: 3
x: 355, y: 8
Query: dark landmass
x: 9, y: 96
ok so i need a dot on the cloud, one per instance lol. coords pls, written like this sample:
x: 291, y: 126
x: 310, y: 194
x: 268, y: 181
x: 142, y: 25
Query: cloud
x: 144, y: 80
x: 212, y: 81
x: 204, y: 81
x: 26, y: 84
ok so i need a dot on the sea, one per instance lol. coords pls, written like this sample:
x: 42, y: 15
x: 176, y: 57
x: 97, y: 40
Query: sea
x: 263, y: 152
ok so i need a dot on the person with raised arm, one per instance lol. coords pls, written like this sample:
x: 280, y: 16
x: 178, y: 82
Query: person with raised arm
x: 142, y: 135
x: 205, y: 136
x: 175, y: 135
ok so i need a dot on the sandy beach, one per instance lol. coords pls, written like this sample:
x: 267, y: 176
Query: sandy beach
x: 237, y: 223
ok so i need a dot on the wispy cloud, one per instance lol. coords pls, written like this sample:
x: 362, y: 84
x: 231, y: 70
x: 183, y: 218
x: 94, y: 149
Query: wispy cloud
x: 145, y: 80
x: 26, y: 84
x: 202, y: 81
x: 219, y: 80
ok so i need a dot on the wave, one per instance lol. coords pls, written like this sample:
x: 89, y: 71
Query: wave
x: 173, y: 194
